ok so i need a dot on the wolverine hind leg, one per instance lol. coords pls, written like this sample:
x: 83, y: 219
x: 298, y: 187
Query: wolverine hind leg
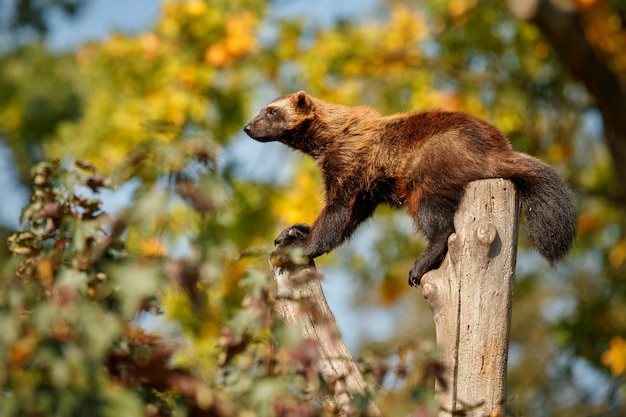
x: 436, y: 220
x: 429, y: 259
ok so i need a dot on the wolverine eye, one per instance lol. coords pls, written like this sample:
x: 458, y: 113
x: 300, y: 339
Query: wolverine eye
x: 272, y: 111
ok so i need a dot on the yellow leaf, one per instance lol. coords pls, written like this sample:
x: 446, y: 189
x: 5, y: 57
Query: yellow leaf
x: 615, y: 356
x: 240, y: 40
x: 196, y: 8
x: 217, y: 55
x: 457, y: 8
x: 617, y: 255
x: 45, y: 272
x: 153, y: 247
x: 22, y: 349
x: 559, y: 152
x: 151, y: 45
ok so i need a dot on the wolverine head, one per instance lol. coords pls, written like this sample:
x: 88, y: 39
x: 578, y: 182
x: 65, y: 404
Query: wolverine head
x: 282, y: 119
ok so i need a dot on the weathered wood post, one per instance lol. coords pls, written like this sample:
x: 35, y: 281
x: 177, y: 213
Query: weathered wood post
x: 471, y: 295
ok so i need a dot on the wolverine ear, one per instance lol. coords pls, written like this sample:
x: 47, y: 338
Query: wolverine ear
x: 302, y: 101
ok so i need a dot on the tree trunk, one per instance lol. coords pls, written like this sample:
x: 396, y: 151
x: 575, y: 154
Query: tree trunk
x: 471, y: 295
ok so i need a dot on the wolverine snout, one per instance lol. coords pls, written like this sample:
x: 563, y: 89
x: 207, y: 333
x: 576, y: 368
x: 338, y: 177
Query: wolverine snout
x: 256, y: 134
x: 248, y: 130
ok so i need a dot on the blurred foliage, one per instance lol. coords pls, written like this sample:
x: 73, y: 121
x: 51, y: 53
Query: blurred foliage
x: 33, y: 104
x: 77, y: 301
x: 158, y: 112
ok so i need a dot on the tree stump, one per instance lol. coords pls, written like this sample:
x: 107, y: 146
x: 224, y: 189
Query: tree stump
x: 471, y: 295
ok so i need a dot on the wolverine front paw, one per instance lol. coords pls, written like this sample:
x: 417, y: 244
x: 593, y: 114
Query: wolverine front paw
x: 293, y: 234
x: 292, y: 237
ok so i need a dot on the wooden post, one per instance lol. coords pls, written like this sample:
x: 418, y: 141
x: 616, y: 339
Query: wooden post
x: 471, y: 295
x: 299, y: 287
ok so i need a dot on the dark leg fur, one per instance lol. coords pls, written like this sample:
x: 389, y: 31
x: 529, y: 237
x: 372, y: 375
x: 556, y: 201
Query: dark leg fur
x: 330, y: 230
x: 436, y: 221
x: 429, y: 259
x: 333, y: 226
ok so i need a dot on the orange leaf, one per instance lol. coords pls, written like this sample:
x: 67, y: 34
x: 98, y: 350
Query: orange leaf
x: 153, y: 247
x: 615, y: 356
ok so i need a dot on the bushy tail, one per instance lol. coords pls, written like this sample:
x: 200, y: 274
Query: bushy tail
x: 549, y: 213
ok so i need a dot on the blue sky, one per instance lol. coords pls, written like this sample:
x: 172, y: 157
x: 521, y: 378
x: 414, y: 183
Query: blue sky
x: 100, y: 17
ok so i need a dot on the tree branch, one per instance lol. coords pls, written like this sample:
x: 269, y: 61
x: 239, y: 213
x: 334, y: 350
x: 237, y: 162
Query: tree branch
x: 301, y: 301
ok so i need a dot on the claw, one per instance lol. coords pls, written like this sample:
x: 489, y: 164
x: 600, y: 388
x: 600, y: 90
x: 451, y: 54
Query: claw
x: 414, y: 280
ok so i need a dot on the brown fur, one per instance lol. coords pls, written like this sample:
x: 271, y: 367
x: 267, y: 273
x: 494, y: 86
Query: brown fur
x: 421, y: 161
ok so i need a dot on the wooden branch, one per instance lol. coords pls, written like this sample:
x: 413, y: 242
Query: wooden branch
x: 471, y: 296
x: 301, y: 301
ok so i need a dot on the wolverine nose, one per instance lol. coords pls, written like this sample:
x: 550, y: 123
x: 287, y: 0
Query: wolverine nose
x: 247, y: 129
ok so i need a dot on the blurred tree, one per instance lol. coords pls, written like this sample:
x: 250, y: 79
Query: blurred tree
x: 155, y: 111
x: 32, y: 15
x: 590, y: 38
x: 27, y: 21
x: 33, y: 104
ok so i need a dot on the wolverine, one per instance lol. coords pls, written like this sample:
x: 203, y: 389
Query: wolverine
x: 418, y: 161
